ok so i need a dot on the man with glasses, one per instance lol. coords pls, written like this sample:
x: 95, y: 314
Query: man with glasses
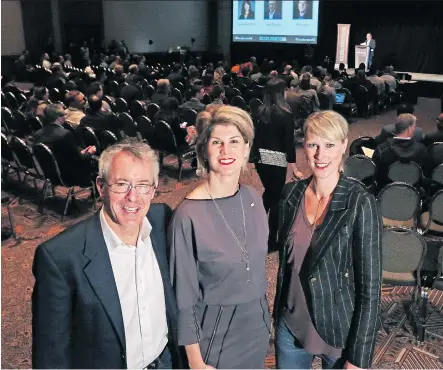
x: 102, y: 296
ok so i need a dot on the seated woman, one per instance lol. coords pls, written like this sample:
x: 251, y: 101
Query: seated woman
x: 218, y: 241
x: 304, y: 88
x: 327, y: 87
x: 329, y: 278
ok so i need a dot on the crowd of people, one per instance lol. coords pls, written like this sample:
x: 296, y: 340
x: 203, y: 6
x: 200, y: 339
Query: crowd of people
x: 120, y: 289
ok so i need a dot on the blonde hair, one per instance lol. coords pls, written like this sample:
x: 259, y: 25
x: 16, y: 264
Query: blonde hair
x: 328, y: 125
x: 222, y: 115
x: 137, y: 149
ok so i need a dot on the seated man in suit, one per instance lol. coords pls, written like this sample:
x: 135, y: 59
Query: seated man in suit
x: 133, y: 90
x: 436, y: 136
x: 96, y: 88
x: 41, y: 94
x: 399, y: 148
x: 76, y: 107
x: 70, y: 158
x: 102, y: 296
x: 194, y: 96
x: 95, y: 118
x: 163, y: 91
x: 273, y: 10
x: 175, y: 75
x: 218, y: 94
x: 388, y: 131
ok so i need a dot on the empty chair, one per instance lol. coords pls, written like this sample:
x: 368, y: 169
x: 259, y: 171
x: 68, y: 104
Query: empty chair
x: 189, y: 116
x: 113, y: 89
x: 34, y: 123
x: 121, y: 106
x: 24, y: 159
x: 432, y: 220
x: 361, y: 168
x: 12, y: 100
x: 129, y: 126
x: 152, y: 110
x: 4, y: 101
x: 88, y: 137
x: 137, y: 109
x: 21, y: 124
x: 400, y: 205
x: 325, y: 103
x: 146, y: 129
x: 254, y: 105
x: 408, y: 172
x: 435, y: 154
x: 8, y: 159
x: 362, y: 99
x: 176, y: 93
x: 357, y: 145
x: 149, y: 91
x: 238, y: 101
x: 7, y: 120
x: 54, y: 96
x: 21, y: 99
x: 437, y: 175
x: 53, y: 178
x: 106, y: 138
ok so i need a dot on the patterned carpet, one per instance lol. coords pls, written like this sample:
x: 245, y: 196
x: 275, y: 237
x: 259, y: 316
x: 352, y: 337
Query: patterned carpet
x: 396, y: 347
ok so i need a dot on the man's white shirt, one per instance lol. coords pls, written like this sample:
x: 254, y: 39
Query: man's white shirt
x: 140, y: 290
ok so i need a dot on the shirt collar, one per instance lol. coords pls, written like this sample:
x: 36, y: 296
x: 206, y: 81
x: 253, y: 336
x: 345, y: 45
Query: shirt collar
x: 113, y: 241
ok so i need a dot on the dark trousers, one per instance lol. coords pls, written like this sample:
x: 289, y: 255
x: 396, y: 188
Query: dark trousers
x: 273, y: 179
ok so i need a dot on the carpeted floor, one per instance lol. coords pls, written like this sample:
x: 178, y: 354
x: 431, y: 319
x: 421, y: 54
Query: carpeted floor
x: 396, y: 347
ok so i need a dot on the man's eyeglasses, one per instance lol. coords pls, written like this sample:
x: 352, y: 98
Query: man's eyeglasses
x: 124, y: 188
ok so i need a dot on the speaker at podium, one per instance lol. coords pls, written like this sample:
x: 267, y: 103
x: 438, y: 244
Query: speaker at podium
x: 361, y: 55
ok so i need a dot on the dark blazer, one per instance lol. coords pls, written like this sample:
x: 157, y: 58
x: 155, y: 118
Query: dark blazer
x: 76, y: 313
x: 433, y: 137
x: 98, y: 121
x: 251, y: 15
x: 345, y: 272
x: 277, y: 14
x: 193, y: 103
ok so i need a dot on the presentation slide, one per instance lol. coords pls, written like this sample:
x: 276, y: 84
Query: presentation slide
x: 284, y: 21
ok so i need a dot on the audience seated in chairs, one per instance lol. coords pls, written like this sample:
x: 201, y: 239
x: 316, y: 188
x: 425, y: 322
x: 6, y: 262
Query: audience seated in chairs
x: 133, y: 73
x: 399, y: 148
x: 327, y: 87
x: 95, y: 118
x: 175, y: 75
x: 168, y: 113
x: 436, y: 136
x: 194, y: 96
x: 133, y: 90
x: 41, y: 94
x: 76, y: 102
x: 119, y: 77
x: 388, y: 131
x: 304, y: 89
x: 218, y: 94
x: 69, y: 156
x: 96, y: 88
x: 163, y: 91
x: 388, y: 77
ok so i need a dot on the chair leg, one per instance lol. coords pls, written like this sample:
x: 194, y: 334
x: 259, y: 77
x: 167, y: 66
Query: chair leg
x: 11, y: 222
x: 423, y: 313
x: 45, y: 190
x: 68, y: 198
x: 180, y: 168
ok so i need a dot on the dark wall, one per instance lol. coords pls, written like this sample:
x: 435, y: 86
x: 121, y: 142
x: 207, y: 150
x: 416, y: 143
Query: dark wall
x: 37, y: 24
x: 409, y: 35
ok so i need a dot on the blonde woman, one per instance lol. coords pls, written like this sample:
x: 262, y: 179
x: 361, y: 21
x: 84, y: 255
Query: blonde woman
x: 218, y: 239
x: 329, y: 279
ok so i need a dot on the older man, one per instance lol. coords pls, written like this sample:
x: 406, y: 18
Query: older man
x: 102, y: 296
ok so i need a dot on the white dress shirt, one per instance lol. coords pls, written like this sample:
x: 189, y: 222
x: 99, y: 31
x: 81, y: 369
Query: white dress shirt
x: 140, y: 290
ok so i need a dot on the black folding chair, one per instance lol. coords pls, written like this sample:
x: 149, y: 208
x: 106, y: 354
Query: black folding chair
x: 137, y: 109
x: 8, y: 160
x: 189, y: 116
x: 407, y: 172
x: 152, y: 110
x: 147, y: 130
x: 121, y: 106
x: 254, y: 105
x: 129, y: 126
x: 239, y: 102
x: 25, y: 160
x: 361, y: 168
x: 107, y: 138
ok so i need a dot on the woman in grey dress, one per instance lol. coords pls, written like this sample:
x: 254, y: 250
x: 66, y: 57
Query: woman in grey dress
x: 218, y: 239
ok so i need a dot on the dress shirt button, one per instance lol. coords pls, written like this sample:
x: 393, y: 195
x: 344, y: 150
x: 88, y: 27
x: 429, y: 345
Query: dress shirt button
x: 313, y: 279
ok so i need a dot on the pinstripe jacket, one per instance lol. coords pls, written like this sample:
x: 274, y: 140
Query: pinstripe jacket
x: 345, y: 269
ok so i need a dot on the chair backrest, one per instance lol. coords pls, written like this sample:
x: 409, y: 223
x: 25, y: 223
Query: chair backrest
x: 206, y: 99
x: 435, y: 153
x: 48, y: 163
x: 403, y: 250
x: 88, y: 137
x: 149, y: 91
x: 4, y: 101
x: 189, y: 116
x: 129, y: 126
x: 137, y: 109
x: 114, y: 89
x: 175, y: 93
x: 399, y: 201
x: 54, y: 95
x: 360, y: 167
x: 437, y: 174
x: 324, y: 101
x: 12, y: 100
x: 254, y: 105
x: 106, y: 138
x: 21, y: 123
x: 436, y: 207
x: 35, y: 123
x: 6, y: 149
x: 22, y: 152
x: 7, y: 119
x: 152, y: 110
x: 238, y: 101
x: 147, y: 130
x: 121, y: 105
x: 363, y: 141
x: 165, y: 138
x: 408, y: 172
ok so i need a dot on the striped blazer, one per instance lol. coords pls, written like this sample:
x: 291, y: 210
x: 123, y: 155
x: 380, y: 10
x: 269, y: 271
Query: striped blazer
x: 344, y: 271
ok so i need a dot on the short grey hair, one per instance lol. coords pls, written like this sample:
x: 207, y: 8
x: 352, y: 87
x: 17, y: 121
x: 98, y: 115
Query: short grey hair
x: 133, y: 147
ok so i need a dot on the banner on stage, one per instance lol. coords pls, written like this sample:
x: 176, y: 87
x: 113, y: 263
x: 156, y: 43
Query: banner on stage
x: 342, y: 44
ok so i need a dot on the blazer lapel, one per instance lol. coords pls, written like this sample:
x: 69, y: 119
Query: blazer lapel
x: 101, y: 277
x: 333, y: 221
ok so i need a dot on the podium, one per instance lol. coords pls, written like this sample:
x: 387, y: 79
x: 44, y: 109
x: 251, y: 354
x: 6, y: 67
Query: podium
x: 361, y: 55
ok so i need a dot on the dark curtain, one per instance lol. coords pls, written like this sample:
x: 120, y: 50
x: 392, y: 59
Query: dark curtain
x: 409, y: 35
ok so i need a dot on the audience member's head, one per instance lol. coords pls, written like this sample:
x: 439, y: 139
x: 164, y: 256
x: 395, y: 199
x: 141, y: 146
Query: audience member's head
x: 405, y: 125
x: 218, y: 92
x: 361, y: 75
x: 41, y: 93
x: 170, y: 104
x: 362, y: 66
x: 405, y: 108
x: 440, y: 122
x: 70, y: 85
x: 176, y: 67
x: 273, y: 73
x: 287, y: 69
x: 56, y: 68
x: 226, y: 80
x: 245, y: 71
x: 118, y: 69
x: 95, y: 103
x: 133, y: 69
x: 163, y: 85
x: 95, y: 89
x: 341, y: 67
x: 75, y: 99
x: 54, y: 113
x: 305, y: 82
x: 207, y: 79
x: 335, y: 74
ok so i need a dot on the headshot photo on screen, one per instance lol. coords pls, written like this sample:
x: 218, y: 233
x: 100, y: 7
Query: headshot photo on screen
x: 246, y: 10
x: 272, y: 9
x: 302, y: 9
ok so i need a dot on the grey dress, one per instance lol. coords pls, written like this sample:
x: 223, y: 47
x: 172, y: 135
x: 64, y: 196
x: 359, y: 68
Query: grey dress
x: 221, y: 305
